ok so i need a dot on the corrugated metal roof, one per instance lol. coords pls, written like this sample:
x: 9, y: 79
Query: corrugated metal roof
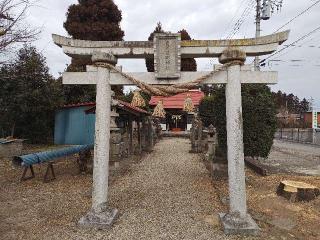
x: 86, y: 104
x: 177, y: 101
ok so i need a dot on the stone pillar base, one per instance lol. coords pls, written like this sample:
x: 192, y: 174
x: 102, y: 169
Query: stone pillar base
x: 233, y: 224
x: 99, y: 220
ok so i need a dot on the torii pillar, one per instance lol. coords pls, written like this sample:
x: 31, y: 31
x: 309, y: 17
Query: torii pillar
x: 237, y: 221
x: 101, y: 215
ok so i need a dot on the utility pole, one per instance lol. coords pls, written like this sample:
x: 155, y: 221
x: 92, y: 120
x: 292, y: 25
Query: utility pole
x: 263, y: 12
x: 258, y: 31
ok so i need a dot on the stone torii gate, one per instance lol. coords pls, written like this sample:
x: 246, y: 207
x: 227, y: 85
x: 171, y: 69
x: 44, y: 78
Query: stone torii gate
x: 167, y: 50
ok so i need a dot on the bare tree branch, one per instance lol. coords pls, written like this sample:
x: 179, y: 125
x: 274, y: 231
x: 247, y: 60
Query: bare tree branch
x: 13, y: 28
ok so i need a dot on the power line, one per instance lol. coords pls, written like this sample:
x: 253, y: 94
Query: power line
x: 293, y: 64
x: 304, y: 11
x: 308, y: 46
x: 234, y: 16
x: 241, y: 20
x: 246, y: 14
x: 290, y: 45
x: 296, y: 46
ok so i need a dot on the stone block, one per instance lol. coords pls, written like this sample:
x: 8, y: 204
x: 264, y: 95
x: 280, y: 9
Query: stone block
x: 167, y: 57
x: 233, y: 224
x: 115, y: 149
x: 101, y: 220
x: 104, y: 57
x: 115, y: 137
x: 11, y: 149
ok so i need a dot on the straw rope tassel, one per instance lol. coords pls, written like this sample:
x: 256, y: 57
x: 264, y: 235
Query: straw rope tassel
x: 159, y: 111
x: 138, y: 100
x: 188, y: 104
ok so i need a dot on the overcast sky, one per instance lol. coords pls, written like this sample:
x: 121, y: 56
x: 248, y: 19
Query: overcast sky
x: 204, y: 19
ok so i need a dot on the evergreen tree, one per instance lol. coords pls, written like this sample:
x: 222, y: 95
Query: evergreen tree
x: 304, y: 105
x: 290, y: 103
x: 95, y: 20
x: 150, y: 61
x: 187, y: 64
x: 29, y: 96
x: 206, y: 110
x: 259, y: 118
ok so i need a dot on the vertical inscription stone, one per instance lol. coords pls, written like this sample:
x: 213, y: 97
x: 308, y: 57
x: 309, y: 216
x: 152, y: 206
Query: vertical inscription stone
x: 167, y: 58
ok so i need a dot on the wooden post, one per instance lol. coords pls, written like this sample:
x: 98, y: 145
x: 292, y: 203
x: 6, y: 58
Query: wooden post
x: 130, y: 135
x: 23, y: 177
x: 139, y: 136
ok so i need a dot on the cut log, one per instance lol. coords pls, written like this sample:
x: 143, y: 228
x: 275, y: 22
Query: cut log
x: 297, y: 191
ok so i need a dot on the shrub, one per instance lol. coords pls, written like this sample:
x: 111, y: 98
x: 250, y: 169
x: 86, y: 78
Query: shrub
x: 259, y: 118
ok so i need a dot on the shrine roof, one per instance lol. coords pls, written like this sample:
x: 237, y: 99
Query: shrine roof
x: 177, y: 101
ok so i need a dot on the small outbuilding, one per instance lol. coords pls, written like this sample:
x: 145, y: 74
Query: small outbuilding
x: 75, y: 123
x: 308, y: 118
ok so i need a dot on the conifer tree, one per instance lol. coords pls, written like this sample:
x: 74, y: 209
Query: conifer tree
x: 29, y: 96
x: 187, y: 64
x: 150, y: 61
x: 95, y: 20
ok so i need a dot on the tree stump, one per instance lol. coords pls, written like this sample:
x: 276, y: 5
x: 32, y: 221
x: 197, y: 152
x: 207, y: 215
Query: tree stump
x: 297, y: 191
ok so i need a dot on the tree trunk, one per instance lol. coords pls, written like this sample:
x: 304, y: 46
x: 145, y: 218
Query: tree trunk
x: 297, y: 191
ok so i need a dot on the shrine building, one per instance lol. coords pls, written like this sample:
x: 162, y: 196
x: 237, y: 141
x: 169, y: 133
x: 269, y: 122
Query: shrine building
x: 177, y: 118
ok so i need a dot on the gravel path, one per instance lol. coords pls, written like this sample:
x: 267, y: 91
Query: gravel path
x: 169, y: 195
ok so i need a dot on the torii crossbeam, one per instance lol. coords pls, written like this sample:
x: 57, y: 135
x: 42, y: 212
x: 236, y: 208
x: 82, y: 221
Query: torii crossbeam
x: 167, y: 50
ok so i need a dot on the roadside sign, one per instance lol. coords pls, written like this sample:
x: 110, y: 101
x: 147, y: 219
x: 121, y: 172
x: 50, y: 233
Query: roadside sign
x: 314, y: 119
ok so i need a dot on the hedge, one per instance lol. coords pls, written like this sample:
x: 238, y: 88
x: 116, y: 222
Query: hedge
x: 259, y: 118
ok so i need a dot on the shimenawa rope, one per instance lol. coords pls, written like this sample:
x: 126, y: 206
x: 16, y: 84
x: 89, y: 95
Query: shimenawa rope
x: 167, y: 90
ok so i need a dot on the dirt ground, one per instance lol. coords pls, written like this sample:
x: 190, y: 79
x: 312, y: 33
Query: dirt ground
x: 34, y: 210
x: 277, y: 217
x: 293, y: 158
